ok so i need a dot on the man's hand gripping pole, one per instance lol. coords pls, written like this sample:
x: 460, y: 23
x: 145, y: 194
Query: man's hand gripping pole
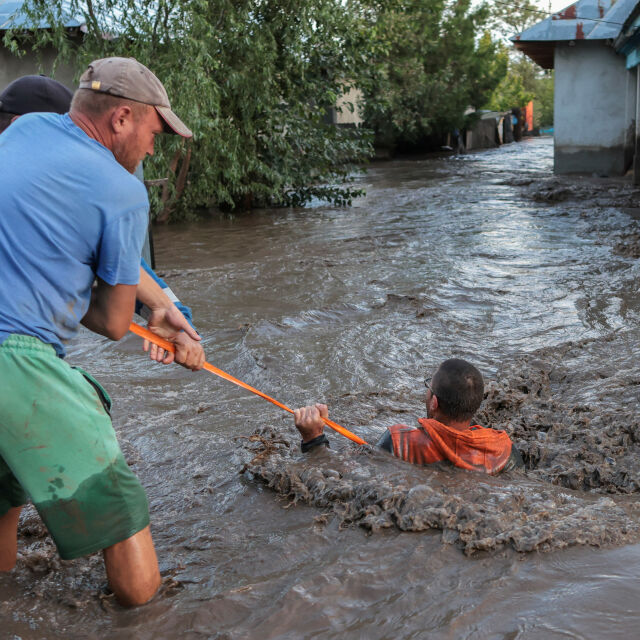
x: 168, y: 346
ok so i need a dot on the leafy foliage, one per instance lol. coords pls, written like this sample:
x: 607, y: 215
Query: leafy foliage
x: 510, y: 93
x: 252, y: 78
x: 428, y: 67
x: 524, y: 80
x: 543, y: 100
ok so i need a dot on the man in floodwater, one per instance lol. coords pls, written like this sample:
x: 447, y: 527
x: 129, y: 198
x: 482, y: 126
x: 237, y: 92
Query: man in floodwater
x: 71, y: 213
x: 454, y: 394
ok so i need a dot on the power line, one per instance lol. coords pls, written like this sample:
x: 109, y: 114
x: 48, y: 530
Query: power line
x: 549, y: 13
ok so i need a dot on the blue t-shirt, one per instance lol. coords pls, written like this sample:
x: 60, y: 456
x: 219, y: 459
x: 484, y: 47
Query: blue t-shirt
x: 68, y: 212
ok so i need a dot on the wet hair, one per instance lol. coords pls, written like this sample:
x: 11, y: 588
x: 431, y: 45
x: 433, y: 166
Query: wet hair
x: 96, y: 103
x: 459, y: 387
x: 5, y: 120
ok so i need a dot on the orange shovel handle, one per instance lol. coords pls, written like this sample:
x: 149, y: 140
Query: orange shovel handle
x: 168, y: 346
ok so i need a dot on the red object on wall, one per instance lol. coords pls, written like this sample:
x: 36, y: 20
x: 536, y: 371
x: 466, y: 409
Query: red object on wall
x: 528, y: 117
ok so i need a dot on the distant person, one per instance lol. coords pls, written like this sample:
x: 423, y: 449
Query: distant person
x: 71, y: 215
x: 454, y: 394
x: 457, y: 134
x: 34, y: 93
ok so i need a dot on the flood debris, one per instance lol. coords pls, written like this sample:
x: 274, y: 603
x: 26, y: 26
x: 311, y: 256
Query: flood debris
x: 472, y: 511
x: 573, y: 416
x: 594, y: 190
x: 628, y: 245
x: 582, y: 453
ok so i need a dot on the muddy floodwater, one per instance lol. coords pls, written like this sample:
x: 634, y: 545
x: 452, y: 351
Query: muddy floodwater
x: 484, y: 256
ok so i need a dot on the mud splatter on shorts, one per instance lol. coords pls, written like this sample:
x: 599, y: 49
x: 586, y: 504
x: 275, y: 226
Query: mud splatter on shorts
x: 58, y: 447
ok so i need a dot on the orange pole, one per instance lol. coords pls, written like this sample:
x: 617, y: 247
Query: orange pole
x: 168, y: 346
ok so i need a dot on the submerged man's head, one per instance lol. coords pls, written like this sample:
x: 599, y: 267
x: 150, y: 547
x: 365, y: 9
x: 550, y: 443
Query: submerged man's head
x: 455, y: 391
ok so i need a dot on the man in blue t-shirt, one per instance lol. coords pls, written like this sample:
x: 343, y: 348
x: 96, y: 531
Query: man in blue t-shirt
x: 71, y: 213
x: 33, y: 93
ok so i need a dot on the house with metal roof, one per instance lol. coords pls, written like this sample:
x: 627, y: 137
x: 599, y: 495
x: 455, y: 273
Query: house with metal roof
x: 627, y: 44
x: 12, y: 66
x: 595, y: 93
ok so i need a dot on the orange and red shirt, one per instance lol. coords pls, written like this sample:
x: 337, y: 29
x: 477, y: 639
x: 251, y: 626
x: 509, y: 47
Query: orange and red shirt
x: 476, y: 448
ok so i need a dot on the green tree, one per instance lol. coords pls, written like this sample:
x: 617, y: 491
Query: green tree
x: 429, y: 66
x: 543, y: 101
x: 252, y: 78
x: 510, y: 18
x: 511, y: 92
x: 524, y: 80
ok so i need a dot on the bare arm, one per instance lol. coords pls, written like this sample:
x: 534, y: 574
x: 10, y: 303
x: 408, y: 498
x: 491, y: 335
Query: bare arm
x: 168, y: 322
x: 111, y: 309
x: 151, y: 294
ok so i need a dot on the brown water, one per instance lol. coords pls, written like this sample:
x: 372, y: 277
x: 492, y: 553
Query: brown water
x: 443, y: 257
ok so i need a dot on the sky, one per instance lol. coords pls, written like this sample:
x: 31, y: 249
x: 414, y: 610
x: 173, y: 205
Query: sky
x: 557, y: 5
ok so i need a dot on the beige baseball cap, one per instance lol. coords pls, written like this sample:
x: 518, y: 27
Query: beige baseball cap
x: 127, y: 78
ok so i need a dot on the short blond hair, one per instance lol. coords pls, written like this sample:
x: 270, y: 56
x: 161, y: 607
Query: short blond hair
x: 96, y: 103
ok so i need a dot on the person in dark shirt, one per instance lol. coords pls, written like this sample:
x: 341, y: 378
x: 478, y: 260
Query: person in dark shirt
x: 453, y: 395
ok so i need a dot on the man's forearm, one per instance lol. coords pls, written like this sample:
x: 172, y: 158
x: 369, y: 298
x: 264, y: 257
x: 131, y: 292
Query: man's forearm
x: 150, y: 293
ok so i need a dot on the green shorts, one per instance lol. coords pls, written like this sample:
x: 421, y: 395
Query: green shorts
x: 58, y: 447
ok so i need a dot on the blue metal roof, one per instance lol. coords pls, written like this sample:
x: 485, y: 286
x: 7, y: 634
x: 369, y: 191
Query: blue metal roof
x: 628, y: 42
x: 11, y: 16
x: 583, y: 20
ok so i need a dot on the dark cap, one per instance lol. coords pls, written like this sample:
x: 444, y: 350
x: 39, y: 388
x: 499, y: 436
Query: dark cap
x: 35, y: 93
x: 128, y: 78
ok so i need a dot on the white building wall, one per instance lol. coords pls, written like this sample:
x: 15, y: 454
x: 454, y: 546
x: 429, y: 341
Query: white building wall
x: 344, y: 114
x: 593, y: 109
x: 12, y: 67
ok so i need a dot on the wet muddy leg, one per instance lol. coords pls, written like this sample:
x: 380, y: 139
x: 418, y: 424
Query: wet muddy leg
x: 132, y: 569
x: 9, y: 538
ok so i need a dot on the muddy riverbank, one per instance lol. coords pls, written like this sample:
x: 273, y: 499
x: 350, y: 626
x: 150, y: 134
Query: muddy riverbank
x: 443, y: 257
